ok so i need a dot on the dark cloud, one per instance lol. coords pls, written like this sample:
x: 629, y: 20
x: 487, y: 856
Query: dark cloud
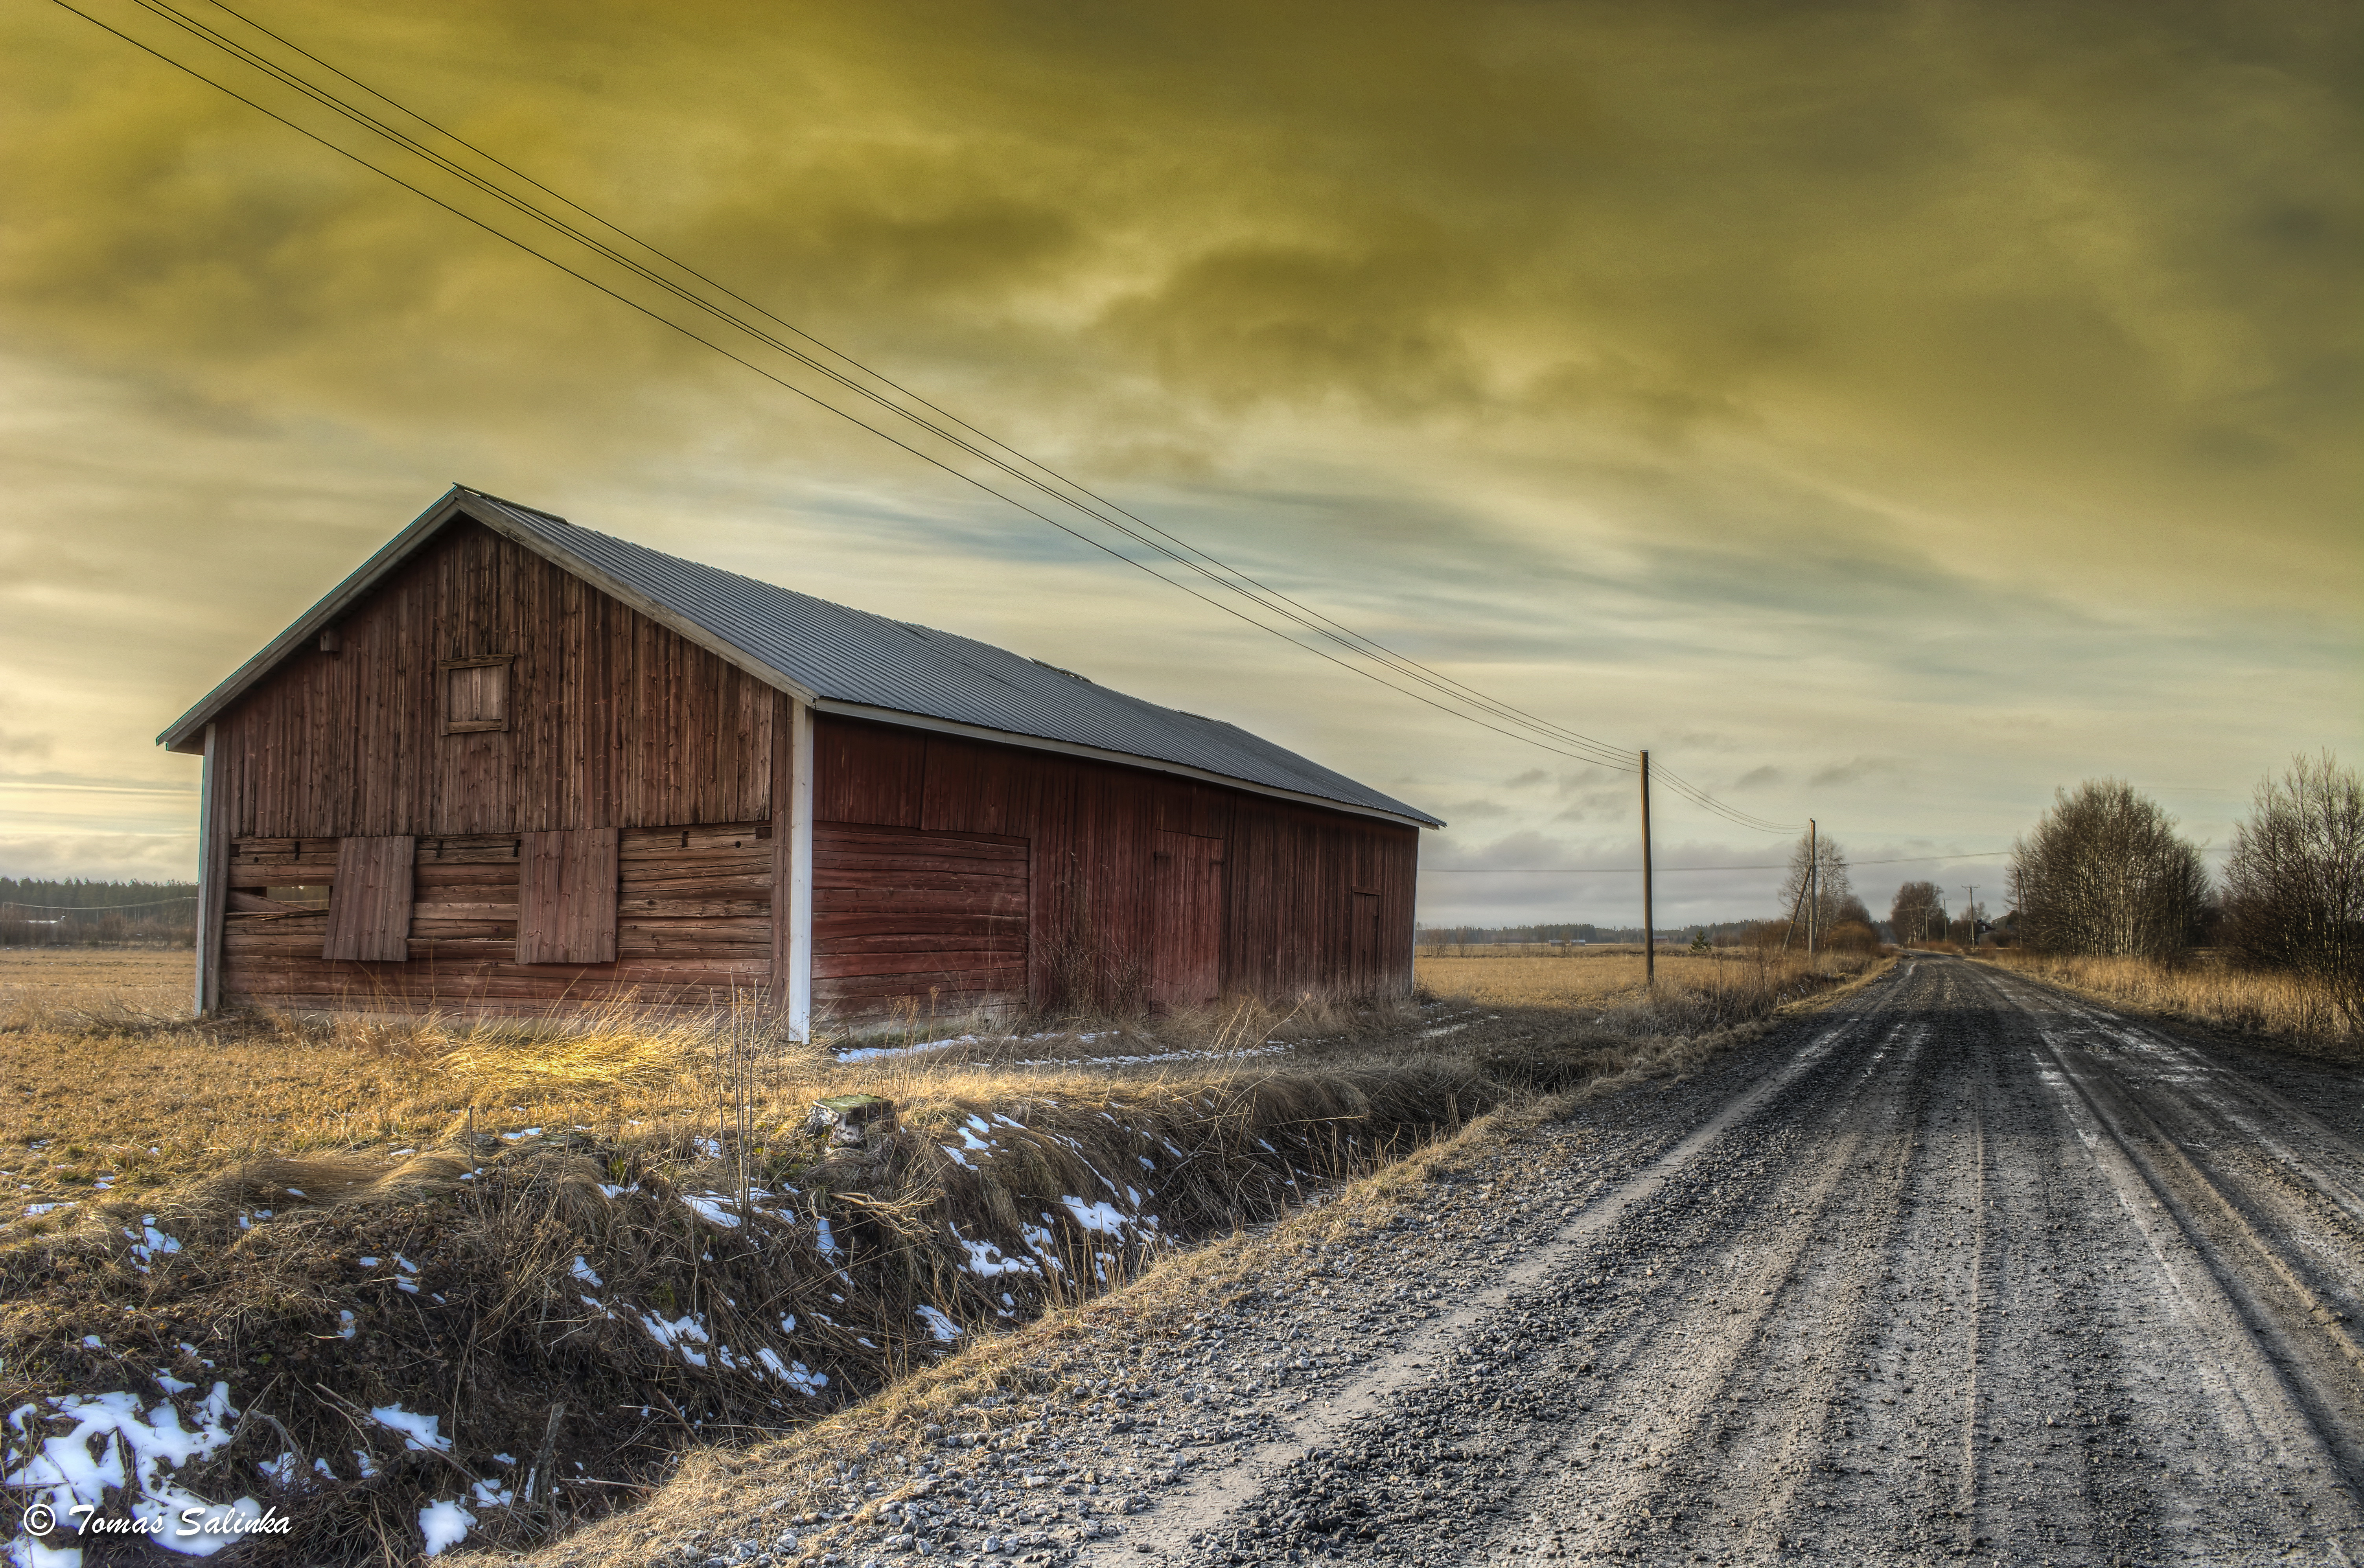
x: 1757, y: 383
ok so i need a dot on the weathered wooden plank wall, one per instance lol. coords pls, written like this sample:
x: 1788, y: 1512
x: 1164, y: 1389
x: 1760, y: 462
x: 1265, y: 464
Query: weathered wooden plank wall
x: 693, y: 927
x: 936, y: 920
x: 612, y: 719
x: 1310, y: 899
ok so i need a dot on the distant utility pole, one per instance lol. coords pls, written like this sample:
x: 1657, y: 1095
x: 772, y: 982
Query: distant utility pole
x: 1970, y: 918
x: 1813, y: 881
x: 1649, y: 911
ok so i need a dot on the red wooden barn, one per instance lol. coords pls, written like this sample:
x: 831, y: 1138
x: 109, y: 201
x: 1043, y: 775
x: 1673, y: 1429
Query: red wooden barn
x: 511, y: 765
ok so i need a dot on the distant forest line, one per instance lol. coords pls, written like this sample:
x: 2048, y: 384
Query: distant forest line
x: 35, y: 912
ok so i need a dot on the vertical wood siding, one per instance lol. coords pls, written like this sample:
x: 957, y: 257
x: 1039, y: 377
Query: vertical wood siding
x: 1303, y: 899
x: 567, y: 897
x: 613, y: 721
x: 369, y: 900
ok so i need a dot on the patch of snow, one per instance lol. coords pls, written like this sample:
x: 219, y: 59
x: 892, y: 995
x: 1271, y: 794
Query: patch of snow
x: 92, y: 1343
x: 170, y: 1385
x: 672, y: 1335
x: 444, y: 1524
x: 346, y: 1329
x: 583, y: 1273
x: 148, y: 1243
x: 366, y: 1263
x: 709, y: 1206
x: 1101, y: 1217
x: 797, y: 1375
x: 986, y: 1259
x: 827, y: 1239
x: 521, y: 1132
x: 418, y: 1432
x: 940, y: 1326
x: 64, y: 1472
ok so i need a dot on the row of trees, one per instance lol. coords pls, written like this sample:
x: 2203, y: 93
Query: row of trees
x: 2104, y: 871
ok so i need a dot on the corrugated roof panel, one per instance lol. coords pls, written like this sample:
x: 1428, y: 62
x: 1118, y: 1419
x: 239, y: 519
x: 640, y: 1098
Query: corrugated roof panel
x: 852, y: 656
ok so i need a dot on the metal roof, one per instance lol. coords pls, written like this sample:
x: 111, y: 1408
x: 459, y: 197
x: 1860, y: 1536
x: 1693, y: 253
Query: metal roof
x: 847, y: 661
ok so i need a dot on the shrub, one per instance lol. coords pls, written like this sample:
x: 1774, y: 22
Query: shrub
x: 2103, y: 873
x: 2294, y: 884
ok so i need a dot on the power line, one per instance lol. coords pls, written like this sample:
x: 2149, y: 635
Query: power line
x: 98, y: 909
x: 1193, y: 557
x: 1543, y: 734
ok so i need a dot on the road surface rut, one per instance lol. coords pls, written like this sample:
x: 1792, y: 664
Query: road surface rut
x: 1961, y: 1267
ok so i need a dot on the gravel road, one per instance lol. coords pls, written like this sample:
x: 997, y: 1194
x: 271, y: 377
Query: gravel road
x: 1959, y: 1267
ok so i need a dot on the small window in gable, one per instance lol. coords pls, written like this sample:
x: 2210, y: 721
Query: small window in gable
x: 475, y: 694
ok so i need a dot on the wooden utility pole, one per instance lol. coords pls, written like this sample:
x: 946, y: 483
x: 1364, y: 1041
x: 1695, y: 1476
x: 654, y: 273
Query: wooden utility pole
x: 1970, y: 919
x: 1649, y: 911
x: 1814, y: 882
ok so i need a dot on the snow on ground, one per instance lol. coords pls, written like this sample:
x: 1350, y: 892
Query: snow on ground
x: 418, y: 1432
x: 62, y: 1472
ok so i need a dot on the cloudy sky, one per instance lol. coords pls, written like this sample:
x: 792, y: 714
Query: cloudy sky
x: 1885, y: 413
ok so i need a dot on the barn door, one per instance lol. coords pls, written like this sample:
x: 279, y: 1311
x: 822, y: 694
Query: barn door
x: 1186, y: 930
x: 1363, y: 940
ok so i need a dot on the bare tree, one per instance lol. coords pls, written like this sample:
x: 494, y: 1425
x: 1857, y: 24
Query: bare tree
x: 1919, y: 912
x: 2294, y: 882
x: 2103, y: 872
x: 1821, y: 900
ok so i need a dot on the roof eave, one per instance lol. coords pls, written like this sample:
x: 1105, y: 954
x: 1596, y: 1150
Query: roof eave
x: 1124, y: 758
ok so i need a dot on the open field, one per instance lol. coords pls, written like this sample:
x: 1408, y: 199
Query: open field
x: 438, y: 1217
x: 2281, y: 1006
x: 1693, y: 990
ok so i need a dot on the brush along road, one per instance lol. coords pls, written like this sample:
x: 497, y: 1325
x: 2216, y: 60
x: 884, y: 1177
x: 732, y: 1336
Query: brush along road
x: 1958, y: 1267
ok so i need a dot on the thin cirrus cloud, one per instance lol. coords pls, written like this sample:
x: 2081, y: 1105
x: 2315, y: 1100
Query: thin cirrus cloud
x: 1885, y: 415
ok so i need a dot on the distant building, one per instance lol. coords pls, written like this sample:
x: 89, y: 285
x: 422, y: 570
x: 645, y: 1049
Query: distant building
x: 511, y: 765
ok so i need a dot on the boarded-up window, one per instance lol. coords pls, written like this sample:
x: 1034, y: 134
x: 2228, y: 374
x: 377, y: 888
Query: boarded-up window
x: 475, y: 694
x: 369, y: 902
x: 1185, y: 962
x: 566, y: 897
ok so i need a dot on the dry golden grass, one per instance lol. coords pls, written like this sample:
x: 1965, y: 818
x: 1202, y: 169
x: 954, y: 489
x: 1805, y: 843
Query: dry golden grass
x: 116, y: 1089
x: 355, y: 1137
x: 1692, y: 991
x: 2281, y: 1006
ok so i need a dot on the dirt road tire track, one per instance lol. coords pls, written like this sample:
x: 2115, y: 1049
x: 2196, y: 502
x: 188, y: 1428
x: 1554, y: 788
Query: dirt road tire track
x: 1960, y: 1268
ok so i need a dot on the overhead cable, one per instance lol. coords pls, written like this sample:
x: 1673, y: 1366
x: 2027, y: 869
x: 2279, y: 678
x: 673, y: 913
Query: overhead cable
x: 1444, y: 693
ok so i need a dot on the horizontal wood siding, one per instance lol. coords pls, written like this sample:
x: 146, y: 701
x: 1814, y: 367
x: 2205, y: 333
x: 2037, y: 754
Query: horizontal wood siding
x: 933, y: 919
x: 1289, y: 917
x: 613, y: 721
x: 693, y: 925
